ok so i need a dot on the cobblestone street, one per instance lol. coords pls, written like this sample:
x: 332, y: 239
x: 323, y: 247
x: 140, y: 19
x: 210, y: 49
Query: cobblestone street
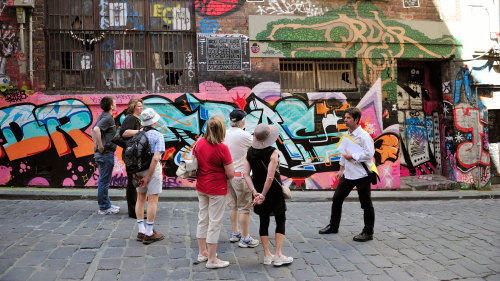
x: 419, y: 240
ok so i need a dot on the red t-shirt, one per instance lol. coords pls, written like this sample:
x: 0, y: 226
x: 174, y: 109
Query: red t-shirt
x: 211, y: 161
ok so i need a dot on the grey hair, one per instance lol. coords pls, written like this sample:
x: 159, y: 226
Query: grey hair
x: 236, y: 124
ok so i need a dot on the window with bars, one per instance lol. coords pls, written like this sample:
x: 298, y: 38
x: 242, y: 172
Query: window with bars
x: 307, y: 75
x: 122, y: 46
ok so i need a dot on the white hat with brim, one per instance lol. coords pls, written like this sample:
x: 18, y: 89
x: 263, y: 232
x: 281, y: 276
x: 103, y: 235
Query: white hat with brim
x: 265, y: 135
x: 149, y: 117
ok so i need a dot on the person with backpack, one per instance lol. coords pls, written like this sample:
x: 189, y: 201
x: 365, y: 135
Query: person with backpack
x: 104, y: 153
x: 130, y: 126
x: 351, y: 174
x: 148, y: 143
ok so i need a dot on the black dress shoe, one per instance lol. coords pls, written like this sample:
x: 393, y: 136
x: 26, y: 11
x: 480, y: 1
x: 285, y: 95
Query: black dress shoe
x: 328, y: 229
x: 363, y: 237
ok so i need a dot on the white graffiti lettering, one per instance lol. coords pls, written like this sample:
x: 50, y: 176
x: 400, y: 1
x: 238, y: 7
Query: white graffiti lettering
x: 291, y: 7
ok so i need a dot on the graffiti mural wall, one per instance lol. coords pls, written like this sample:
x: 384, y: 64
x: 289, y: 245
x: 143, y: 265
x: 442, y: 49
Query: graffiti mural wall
x: 46, y: 140
x: 420, y: 124
x: 420, y: 117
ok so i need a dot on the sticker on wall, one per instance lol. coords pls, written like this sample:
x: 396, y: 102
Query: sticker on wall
x: 208, y: 26
x: 263, y: 50
x: 117, y: 14
x: 123, y: 59
x: 411, y: 3
x: 255, y: 48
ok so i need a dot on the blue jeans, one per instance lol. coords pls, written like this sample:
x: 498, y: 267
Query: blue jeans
x: 105, y: 163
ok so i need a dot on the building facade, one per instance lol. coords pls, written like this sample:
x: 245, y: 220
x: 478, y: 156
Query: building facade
x: 424, y: 73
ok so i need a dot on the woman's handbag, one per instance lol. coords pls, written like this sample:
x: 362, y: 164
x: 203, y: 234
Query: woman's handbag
x: 287, y: 193
x: 118, y: 139
x: 188, y: 168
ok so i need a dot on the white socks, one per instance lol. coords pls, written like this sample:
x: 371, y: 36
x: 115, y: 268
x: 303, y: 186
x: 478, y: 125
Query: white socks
x: 149, y: 228
x: 140, y: 225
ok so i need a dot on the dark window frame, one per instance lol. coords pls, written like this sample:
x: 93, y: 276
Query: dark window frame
x: 150, y: 46
x: 316, y: 75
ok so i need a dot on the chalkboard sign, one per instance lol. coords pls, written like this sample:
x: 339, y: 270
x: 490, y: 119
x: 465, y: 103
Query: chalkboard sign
x: 411, y: 3
x: 223, y: 52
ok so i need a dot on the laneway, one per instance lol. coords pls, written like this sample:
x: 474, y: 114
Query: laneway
x: 420, y: 240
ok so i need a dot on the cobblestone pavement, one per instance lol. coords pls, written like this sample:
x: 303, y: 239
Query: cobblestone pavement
x: 419, y: 240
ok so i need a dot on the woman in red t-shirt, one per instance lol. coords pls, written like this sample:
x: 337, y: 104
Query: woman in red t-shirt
x: 215, y: 166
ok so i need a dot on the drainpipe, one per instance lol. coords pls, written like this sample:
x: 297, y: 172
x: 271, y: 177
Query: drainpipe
x: 31, y: 48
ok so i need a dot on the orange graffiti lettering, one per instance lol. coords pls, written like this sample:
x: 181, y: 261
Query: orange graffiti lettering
x: 28, y: 147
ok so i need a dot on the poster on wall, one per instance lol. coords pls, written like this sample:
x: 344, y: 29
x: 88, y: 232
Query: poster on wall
x: 117, y: 14
x: 223, y: 52
x: 411, y: 3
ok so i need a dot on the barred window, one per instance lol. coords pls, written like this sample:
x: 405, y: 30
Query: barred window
x: 122, y: 46
x: 301, y: 75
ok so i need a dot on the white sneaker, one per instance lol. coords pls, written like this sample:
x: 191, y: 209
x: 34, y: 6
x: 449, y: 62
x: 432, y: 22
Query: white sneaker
x: 221, y: 264
x: 108, y: 211
x: 234, y: 237
x: 248, y: 242
x: 115, y: 207
x: 268, y: 260
x: 283, y: 260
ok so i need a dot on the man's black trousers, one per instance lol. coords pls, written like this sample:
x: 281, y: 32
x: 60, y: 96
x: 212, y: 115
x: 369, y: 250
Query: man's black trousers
x: 364, y: 191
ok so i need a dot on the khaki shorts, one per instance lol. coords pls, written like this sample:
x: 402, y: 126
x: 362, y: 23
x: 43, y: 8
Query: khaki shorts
x: 155, y: 183
x: 239, y: 196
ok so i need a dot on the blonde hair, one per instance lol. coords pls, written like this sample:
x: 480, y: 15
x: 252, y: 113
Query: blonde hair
x: 132, y: 104
x: 216, y: 130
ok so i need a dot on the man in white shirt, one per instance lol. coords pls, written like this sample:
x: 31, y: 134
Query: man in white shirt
x: 239, y: 196
x: 353, y: 174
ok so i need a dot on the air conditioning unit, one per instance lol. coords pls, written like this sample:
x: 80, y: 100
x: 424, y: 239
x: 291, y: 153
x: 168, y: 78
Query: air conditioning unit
x: 22, y: 3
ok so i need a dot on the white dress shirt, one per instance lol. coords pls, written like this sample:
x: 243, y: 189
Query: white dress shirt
x: 353, y: 169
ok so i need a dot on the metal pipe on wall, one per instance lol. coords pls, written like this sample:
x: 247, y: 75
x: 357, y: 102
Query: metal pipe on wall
x: 31, y: 48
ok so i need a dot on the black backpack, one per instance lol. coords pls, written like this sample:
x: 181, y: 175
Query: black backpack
x: 137, y: 155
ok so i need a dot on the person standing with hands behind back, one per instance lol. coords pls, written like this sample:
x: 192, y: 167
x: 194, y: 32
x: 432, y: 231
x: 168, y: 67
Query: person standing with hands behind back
x: 104, y: 153
x: 265, y: 183
x: 130, y: 127
x: 353, y: 174
x: 239, y: 196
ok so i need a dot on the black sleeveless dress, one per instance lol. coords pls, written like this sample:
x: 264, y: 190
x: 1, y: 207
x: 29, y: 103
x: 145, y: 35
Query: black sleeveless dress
x: 275, y: 202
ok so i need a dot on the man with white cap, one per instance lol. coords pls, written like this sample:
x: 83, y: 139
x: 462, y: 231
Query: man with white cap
x: 150, y: 183
x: 239, y: 196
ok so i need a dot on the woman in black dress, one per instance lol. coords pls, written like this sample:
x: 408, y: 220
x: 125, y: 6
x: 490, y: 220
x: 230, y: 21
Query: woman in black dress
x: 128, y: 129
x: 265, y: 183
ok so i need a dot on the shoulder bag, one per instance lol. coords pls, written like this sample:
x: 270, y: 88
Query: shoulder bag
x: 287, y: 193
x: 118, y: 139
x: 188, y: 168
x: 374, y: 178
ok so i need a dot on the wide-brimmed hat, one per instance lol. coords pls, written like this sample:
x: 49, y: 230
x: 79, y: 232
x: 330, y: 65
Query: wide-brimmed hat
x: 265, y: 135
x: 149, y: 117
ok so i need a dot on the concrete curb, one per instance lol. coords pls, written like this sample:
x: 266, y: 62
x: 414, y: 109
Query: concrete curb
x: 298, y: 196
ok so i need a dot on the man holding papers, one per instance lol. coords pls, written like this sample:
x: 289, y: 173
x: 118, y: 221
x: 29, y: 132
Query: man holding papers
x: 356, y: 148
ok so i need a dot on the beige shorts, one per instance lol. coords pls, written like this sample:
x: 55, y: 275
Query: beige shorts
x: 239, y: 196
x: 155, y: 183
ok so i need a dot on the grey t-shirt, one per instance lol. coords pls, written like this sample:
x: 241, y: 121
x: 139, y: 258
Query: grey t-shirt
x: 107, y: 125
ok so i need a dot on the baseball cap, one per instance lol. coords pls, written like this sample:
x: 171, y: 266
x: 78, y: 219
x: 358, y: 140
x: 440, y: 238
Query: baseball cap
x: 237, y: 115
